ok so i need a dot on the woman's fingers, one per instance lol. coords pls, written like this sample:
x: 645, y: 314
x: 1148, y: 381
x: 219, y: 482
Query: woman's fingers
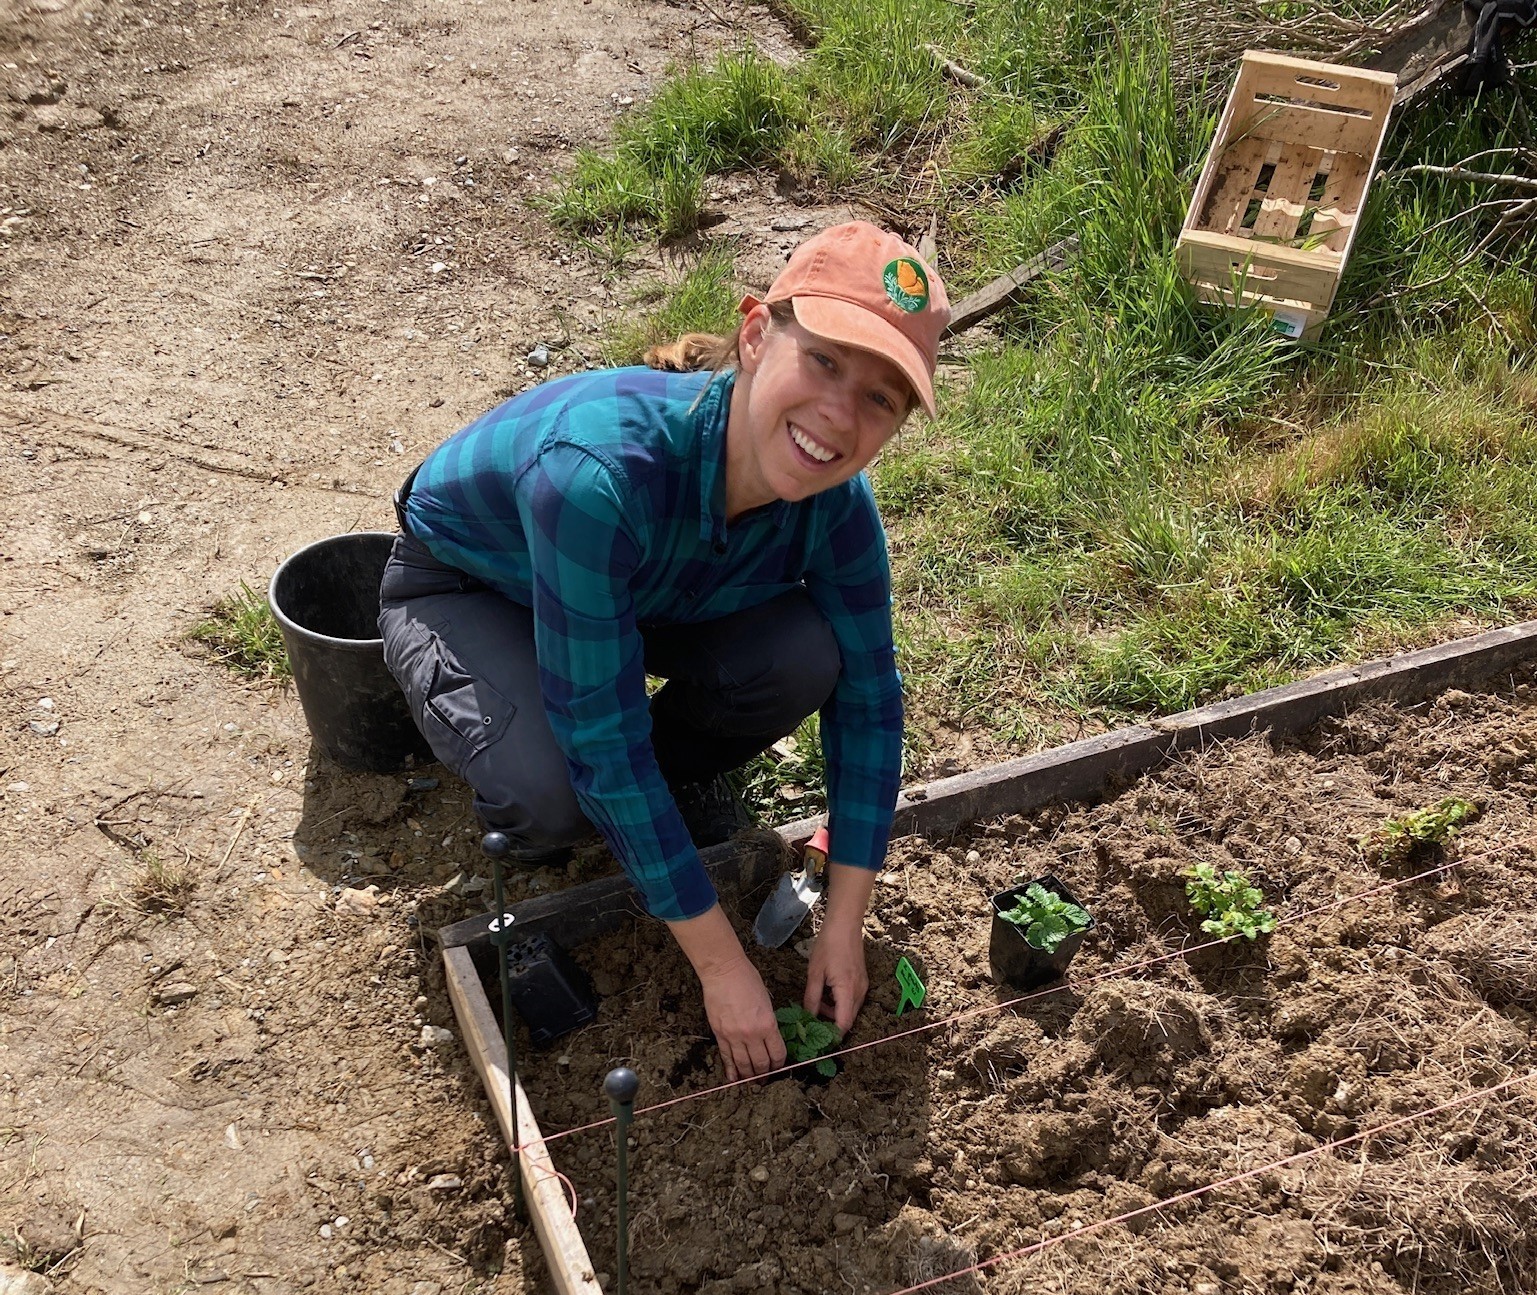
x: 743, y: 1020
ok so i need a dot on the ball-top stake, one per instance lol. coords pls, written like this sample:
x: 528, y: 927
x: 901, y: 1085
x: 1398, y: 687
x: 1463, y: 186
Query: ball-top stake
x: 620, y: 1085
x: 496, y: 847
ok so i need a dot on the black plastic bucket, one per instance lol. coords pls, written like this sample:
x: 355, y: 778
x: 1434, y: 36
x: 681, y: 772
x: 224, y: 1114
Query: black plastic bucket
x: 326, y: 598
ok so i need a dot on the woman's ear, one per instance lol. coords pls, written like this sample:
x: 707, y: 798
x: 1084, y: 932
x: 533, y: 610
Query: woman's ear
x: 753, y: 338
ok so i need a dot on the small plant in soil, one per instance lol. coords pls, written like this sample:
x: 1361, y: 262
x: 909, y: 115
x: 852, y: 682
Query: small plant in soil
x: 807, y: 1036
x: 1400, y: 839
x: 162, y: 887
x: 244, y: 634
x: 1229, y: 901
x: 1047, y: 919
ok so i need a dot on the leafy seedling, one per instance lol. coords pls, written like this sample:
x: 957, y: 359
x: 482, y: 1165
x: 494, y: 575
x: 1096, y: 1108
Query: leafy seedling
x: 807, y: 1036
x: 1399, y: 839
x: 1048, y: 919
x: 1230, y: 903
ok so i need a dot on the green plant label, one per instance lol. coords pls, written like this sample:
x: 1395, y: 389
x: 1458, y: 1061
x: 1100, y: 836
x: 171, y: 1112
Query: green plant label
x: 906, y: 284
x: 913, y: 989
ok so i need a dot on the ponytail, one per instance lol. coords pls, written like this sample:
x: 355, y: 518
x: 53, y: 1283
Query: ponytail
x: 693, y: 352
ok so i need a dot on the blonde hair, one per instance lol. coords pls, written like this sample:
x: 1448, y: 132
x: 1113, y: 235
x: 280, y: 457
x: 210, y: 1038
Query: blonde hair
x: 693, y: 352
x: 699, y: 352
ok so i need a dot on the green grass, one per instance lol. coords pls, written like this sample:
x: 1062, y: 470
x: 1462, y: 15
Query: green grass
x: 701, y: 301
x: 787, y: 782
x: 243, y: 634
x: 736, y: 113
x: 1132, y: 502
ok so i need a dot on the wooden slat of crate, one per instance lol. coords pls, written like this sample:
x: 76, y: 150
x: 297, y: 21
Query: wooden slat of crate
x: 1322, y: 128
x: 1287, y: 195
x: 1340, y: 206
x: 564, y: 1250
x: 1298, y: 276
x: 1237, y: 171
x: 1342, y: 87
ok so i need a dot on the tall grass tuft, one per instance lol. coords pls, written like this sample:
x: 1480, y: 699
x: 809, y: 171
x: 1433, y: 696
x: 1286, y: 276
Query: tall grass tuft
x: 737, y: 113
x: 244, y: 635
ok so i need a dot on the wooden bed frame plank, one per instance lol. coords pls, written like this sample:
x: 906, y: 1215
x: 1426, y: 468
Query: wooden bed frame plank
x: 564, y: 1251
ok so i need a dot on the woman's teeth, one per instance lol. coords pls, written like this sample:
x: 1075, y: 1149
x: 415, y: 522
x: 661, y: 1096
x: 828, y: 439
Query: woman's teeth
x: 810, y: 446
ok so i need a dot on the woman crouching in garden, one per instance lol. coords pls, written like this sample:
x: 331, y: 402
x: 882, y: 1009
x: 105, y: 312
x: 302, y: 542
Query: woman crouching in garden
x: 712, y: 528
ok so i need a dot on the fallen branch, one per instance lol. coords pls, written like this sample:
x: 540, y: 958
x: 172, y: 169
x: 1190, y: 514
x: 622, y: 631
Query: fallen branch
x: 954, y: 70
x: 1006, y: 288
x: 1460, y: 172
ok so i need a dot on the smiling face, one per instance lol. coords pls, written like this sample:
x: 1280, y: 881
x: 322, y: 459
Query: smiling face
x: 806, y: 414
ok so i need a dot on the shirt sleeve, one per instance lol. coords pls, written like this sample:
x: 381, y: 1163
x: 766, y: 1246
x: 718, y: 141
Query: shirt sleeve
x: 862, y: 720
x: 584, y: 549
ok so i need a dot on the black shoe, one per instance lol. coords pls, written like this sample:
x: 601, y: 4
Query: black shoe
x: 495, y: 845
x: 712, y: 811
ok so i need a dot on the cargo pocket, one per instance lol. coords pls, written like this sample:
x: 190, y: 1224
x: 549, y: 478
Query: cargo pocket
x: 462, y: 716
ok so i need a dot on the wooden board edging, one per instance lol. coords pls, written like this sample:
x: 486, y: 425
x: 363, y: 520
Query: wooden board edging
x: 564, y: 1251
x: 1082, y: 770
x: 581, y: 913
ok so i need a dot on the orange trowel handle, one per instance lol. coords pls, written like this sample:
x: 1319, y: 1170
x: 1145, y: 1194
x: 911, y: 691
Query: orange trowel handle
x: 816, y: 851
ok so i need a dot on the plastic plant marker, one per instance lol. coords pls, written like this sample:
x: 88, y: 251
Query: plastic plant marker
x: 914, y: 991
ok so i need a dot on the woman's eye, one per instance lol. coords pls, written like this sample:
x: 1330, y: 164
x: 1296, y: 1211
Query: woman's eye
x: 826, y: 361
x: 883, y: 400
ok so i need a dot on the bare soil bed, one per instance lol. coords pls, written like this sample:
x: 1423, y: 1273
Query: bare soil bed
x: 1131, y: 1084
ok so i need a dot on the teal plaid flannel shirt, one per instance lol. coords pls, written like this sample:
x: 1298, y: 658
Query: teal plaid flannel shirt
x: 598, y: 500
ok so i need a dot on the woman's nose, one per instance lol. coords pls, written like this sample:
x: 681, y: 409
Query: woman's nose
x: 842, y: 406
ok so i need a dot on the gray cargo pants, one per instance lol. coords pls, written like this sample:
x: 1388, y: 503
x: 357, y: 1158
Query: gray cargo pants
x: 464, y: 656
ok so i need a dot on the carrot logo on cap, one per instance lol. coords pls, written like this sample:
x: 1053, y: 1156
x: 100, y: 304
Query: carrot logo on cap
x: 906, y: 284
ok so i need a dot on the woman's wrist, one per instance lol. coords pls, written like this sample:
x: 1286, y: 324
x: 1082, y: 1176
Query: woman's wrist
x: 848, y: 897
x: 710, y: 944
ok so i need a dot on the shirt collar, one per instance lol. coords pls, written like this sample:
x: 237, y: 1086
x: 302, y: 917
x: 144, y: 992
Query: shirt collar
x: 713, y: 410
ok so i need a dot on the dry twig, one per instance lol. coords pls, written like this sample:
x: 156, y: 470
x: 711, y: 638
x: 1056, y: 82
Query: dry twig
x: 1205, y: 37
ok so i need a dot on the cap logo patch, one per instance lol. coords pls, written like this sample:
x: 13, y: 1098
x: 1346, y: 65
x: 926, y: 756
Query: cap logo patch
x: 906, y: 284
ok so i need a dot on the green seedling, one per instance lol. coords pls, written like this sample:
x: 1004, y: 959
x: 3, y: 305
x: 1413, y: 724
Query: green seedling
x: 1398, y: 839
x: 1229, y: 902
x: 1048, y: 919
x: 807, y: 1036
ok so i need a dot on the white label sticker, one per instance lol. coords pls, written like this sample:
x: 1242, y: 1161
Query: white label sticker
x: 1289, y: 323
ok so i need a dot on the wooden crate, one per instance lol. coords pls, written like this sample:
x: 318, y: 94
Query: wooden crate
x: 1274, y: 215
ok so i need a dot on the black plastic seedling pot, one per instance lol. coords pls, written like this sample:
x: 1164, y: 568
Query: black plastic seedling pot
x: 549, y: 991
x: 1010, y: 956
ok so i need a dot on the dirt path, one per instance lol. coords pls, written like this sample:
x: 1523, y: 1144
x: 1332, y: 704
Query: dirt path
x: 255, y: 261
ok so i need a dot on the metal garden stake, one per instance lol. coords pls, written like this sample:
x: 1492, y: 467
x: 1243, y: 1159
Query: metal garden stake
x: 496, y: 847
x: 621, y: 1085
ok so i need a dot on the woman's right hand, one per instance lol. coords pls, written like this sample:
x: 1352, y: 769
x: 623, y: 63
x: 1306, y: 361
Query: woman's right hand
x: 742, y: 1016
x: 735, y: 1000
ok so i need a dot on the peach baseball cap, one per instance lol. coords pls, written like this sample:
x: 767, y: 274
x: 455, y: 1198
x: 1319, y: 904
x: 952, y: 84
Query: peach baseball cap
x: 857, y: 285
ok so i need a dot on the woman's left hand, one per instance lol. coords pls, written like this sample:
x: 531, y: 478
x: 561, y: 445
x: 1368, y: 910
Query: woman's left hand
x: 837, y: 969
x: 837, y: 972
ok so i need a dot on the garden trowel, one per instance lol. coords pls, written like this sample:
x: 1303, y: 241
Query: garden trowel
x: 794, y: 896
